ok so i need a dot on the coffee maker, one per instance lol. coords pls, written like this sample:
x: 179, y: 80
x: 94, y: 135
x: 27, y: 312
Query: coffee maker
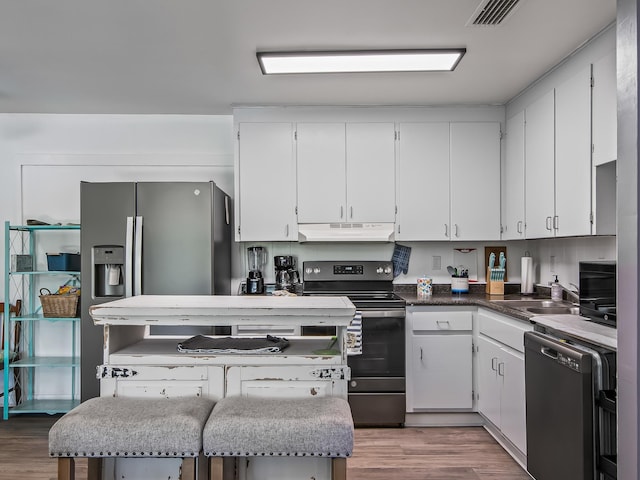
x: 256, y: 259
x: 287, y: 276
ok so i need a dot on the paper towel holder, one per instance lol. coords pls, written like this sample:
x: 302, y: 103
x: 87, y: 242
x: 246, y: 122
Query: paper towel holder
x: 526, y: 274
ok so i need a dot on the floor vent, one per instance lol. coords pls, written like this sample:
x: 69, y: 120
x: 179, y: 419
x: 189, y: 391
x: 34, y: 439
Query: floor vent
x: 492, y: 12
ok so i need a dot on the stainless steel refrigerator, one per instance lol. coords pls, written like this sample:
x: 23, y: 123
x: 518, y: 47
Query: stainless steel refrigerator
x: 155, y: 238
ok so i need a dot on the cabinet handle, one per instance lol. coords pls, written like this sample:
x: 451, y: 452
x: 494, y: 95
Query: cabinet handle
x: 286, y: 230
x: 351, y: 211
x: 341, y: 211
x: 456, y: 230
x: 444, y: 323
x: 446, y: 230
x: 398, y: 229
x: 556, y: 222
x: 493, y: 363
x: 548, y: 223
x: 501, y: 369
x: 519, y: 227
x: 420, y: 353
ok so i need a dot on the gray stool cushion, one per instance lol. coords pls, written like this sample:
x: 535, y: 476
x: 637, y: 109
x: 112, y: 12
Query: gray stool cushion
x: 131, y: 427
x: 251, y: 426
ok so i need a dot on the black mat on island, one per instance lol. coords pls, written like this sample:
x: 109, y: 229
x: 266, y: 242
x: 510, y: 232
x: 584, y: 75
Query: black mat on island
x: 202, y: 344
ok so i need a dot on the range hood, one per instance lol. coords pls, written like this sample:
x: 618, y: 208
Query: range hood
x: 346, y: 232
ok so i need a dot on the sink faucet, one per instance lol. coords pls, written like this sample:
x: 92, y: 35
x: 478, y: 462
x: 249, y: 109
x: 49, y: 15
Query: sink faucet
x: 574, y: 295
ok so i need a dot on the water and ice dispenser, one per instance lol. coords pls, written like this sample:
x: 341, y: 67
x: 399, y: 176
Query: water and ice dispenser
x: 108, y: 271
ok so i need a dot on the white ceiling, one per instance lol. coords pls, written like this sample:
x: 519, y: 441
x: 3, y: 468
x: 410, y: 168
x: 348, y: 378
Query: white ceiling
x: 198, y: 56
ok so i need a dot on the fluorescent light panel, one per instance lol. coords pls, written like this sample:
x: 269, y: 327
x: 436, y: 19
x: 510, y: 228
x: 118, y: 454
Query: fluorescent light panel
x: 431, y: 60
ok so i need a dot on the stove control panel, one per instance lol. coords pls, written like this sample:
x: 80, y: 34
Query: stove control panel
x: 348, y: 271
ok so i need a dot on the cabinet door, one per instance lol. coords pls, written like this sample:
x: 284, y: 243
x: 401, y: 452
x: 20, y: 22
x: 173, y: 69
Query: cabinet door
x: 513, y: 198
x: 539, y: 167
x: 475, y: 181
x: 265, y: 152
x: 488, y: 386
x: 573, y: 156
x: 321, y: 172
x: 422, y: 182
x: 442, y: 371
x: 605, y: 122
x: 370, y: 150
x: 513, y: 406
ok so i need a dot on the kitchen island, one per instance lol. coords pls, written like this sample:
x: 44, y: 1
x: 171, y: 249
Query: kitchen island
x: 142, y: 365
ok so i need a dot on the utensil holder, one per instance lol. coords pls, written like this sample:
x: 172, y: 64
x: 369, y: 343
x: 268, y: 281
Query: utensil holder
x: 494, y: 287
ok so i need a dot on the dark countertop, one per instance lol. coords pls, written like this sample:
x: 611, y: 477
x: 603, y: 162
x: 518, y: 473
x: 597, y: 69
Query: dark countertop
x: 572, y: 325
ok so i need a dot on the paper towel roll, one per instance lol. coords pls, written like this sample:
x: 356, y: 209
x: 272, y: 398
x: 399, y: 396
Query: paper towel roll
x: 526, y: 274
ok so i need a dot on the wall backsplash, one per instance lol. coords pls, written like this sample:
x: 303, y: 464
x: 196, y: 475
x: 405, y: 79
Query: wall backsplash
x: 567, y: 252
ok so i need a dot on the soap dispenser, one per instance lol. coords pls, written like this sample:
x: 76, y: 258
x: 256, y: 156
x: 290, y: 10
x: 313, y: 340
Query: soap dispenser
x: 556, y: 290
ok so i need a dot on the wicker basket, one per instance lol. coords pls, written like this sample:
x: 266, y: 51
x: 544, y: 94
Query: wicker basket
x: 63, y: 306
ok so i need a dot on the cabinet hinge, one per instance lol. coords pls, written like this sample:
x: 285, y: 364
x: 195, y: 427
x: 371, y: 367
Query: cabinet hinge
x: 238, y: 230
x: 592, y: 81
x: 501, y: 228
x: 396, y: 209
x: 295, y: 135
x: 396, y: 136
x: 296, y: 210
x: 591, y: 217
x: 238, y: 135
x: 501, y: 135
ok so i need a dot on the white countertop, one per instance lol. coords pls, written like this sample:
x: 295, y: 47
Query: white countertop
x: 224, y: 310
x: 580, y: 328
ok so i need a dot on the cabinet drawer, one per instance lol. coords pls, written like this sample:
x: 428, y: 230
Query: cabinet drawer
x: 441, y: 321
x: 505, y: 330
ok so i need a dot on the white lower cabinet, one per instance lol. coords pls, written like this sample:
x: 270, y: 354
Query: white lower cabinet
x: 501, y: 384
x: 439, y: 359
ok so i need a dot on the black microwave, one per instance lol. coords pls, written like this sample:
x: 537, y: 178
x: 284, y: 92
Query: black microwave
x: 598, y: 291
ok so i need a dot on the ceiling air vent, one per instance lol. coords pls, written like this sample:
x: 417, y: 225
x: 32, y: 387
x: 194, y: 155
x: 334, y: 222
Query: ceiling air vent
x: 493, y: 12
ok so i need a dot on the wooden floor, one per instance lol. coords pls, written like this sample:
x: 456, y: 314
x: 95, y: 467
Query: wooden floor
x: 439, y: 453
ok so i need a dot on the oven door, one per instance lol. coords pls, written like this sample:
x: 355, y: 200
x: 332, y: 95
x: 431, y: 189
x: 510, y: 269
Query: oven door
x: 383, y: 346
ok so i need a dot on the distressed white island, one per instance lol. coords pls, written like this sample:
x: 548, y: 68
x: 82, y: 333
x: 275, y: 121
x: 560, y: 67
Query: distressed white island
x: 138, y: 364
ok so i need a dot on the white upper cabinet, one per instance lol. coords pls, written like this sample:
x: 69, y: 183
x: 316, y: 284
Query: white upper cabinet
x: 346, y: 172
x: 422, y: 189
x: 475, y: 180
x: 265, y: 153
x: 321, y: 172
x: 371, y: 172
x: 573, y: 156
x: 605, y: 148
x: 539, y: 166
x: 513, y: 187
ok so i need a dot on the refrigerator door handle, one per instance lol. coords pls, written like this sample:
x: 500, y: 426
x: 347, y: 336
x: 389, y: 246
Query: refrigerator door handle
x: 128, y: 259
x: 137, y: 273
x: 226, y: 210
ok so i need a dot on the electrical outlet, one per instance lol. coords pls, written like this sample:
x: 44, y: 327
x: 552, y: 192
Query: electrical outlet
x: 436, y: 262
x: 552, y: 264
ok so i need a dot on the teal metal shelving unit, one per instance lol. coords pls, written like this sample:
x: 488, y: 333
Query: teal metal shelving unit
x: 21, y: 361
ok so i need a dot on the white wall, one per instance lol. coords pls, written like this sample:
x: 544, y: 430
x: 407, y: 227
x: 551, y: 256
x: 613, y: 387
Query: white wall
x: 44, y: 158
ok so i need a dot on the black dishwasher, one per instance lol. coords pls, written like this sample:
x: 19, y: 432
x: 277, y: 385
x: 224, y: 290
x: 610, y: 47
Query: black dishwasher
x: 568, y: 433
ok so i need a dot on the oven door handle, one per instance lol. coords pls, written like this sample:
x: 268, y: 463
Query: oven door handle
x: 387, y: 313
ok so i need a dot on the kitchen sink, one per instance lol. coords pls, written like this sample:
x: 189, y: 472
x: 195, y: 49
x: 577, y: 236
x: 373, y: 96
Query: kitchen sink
x: 541, y: 306
x: 554, y: 310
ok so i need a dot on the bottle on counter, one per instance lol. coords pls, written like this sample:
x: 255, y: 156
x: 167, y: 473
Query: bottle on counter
x: 556, y: 290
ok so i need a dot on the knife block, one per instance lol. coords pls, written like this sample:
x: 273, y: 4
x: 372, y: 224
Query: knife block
x: 494, y: 287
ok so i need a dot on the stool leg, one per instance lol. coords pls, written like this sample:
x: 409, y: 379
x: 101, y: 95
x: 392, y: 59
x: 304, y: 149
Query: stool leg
x: 338, y: 468
x: 216, y: 468
x: 188, y: 468
x: 94, y: 468
x: 66, y: 469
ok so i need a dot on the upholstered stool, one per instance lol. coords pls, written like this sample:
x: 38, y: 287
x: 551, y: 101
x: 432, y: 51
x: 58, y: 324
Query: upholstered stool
x: 126, y: 427
x: 276, y: 427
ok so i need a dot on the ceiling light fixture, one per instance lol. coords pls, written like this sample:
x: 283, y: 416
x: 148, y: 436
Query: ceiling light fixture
x: 360, y: 61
